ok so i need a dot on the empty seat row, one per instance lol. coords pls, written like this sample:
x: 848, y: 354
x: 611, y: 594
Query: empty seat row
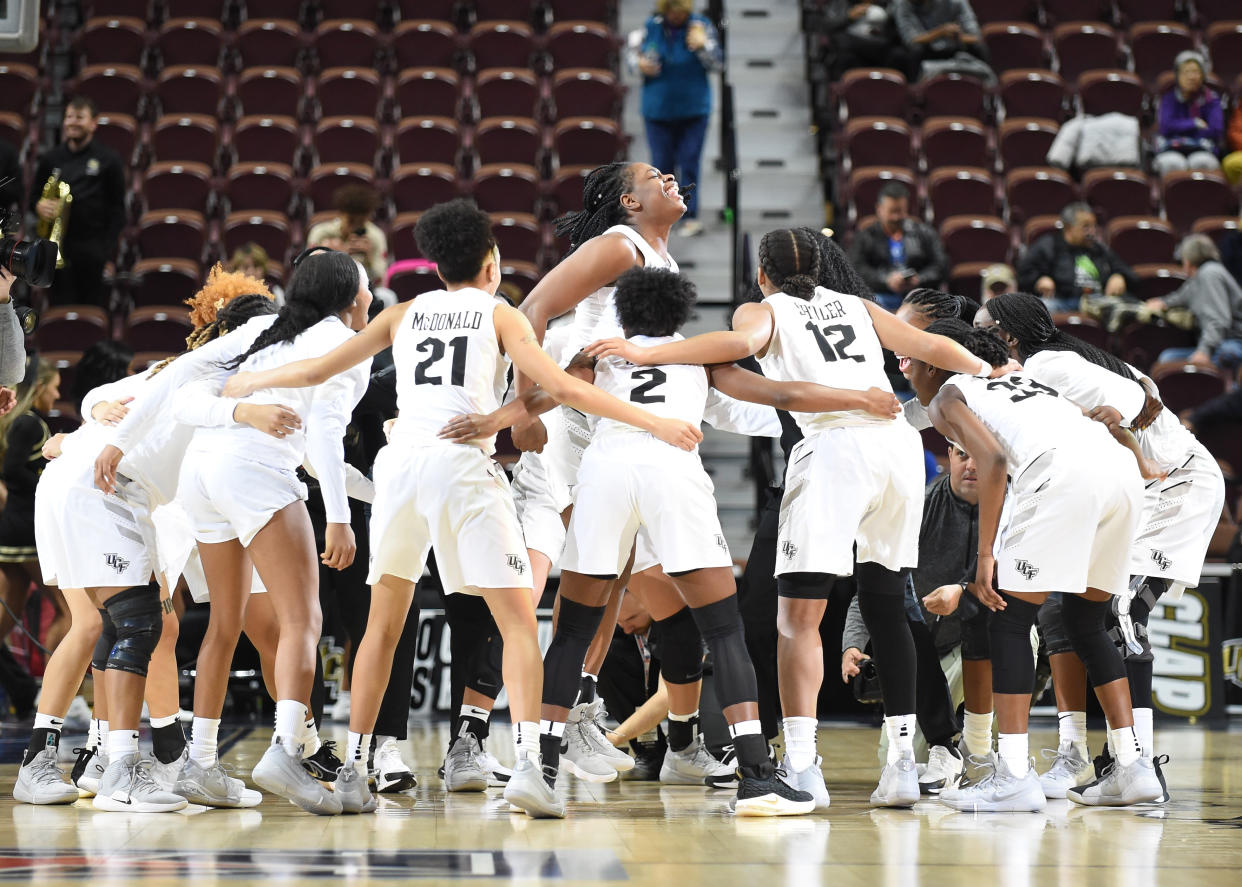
x: 1055, y: 11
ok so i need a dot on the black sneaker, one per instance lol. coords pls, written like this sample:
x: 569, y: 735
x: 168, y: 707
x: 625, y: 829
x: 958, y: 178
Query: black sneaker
x: 1103, y: 762
x: 725, y: 779
x: 764, y: 793
x: 648, y: 759
x: 323, y: 764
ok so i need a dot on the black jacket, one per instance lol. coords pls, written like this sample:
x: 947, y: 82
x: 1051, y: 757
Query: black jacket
x: 96, y: 180
x: 924, y: 255
x: 1051, y: 256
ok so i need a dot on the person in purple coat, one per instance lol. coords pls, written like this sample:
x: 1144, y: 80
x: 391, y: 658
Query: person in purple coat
x: 1192, y: 122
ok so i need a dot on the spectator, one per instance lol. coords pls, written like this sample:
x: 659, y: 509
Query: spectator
x: 860, y: 34
x: 898, y: 253
x: 940, y: 31
x: 96, y: 179
x: 352, y: 231
x: 1215, y: 299
x: 1232, y: 162
x: 1067, y: 266
x: 252, y: 260
x: 678, y: 49
x: 1191, y: 121
x: 997, y: 280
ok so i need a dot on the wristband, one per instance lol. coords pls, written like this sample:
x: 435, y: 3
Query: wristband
x: 985, y: 369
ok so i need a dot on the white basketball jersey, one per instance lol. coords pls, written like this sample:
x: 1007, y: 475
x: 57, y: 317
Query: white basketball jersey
x: 674, y: 391
x: 828, y: 339
x: 448, y: 362
x: 1028, y: 417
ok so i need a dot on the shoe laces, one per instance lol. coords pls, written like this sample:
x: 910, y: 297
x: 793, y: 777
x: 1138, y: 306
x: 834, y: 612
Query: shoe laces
x: 44, y: 771
x: 1062, y: 762
x: 140, y: 777
x: 574, y: 733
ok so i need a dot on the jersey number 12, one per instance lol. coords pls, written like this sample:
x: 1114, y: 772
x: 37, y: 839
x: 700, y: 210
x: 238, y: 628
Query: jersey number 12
x: 835, y: 351
x: 436, y: 349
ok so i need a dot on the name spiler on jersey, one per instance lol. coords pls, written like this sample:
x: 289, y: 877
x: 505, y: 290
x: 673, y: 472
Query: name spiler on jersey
x: 827, y: 311
x: 446, y: 320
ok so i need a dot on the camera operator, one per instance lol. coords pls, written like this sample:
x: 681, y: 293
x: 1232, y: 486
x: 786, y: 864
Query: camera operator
x: 352, y: 231
x: 12, y: 345
x: 96, y: 179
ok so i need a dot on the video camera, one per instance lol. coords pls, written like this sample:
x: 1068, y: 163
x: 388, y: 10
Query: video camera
x: 31, y: 261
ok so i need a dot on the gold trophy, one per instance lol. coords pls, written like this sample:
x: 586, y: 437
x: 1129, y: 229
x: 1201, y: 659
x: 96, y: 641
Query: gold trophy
x: 54, y: 229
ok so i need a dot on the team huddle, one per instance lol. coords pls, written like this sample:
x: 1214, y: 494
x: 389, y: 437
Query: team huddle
x: 1092, y: 498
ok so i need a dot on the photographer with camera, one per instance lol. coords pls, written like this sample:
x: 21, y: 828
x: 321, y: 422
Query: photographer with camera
x: 353, y: 232
x: 92, y: 222
x: 898, y: 253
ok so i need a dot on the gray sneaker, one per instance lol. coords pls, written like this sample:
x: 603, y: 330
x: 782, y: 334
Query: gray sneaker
x: 127, y: 787
x: 580, y: 756
x: 166, y: 775
x: 282, y: 774
x: 352, y: 790
x: 462, y: 772
x: 810, y: 780
x: 213, y: 787
x: 693, y: 765
x: 1120, y: 786
x: 974, y: 767
x: 42, y: 782
x: 529, y: 790
x: 594, y: 717
x: 899, y: 784
x: 1001, y: 791
x: 1069, y: 769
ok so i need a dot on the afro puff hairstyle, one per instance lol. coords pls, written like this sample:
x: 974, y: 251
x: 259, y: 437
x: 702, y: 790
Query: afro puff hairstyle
x: 653, y: 301
x: 221, y: 288
x: 457, y: 236
x: 983, y: 343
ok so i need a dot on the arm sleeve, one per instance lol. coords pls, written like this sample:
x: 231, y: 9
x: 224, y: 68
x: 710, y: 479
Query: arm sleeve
x: 12, y: 346
x: 325, y: 432
x: 1180, y: 297
x: 201, y: 405
x: 855, y: 633
x: 1086, y: 384
x: 729, y: 414
x: 25, y: 435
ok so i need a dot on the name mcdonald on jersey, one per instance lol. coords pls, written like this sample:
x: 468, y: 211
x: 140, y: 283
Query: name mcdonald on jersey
x: 446, y: 320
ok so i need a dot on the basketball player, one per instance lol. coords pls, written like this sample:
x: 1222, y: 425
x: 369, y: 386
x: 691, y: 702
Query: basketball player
x: 451, y: 349
x: 1180, y: 509
x: 1068, y: 519
x: 801, y: 332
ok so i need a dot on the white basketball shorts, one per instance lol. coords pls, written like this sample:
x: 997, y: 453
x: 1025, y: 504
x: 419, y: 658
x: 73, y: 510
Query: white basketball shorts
x: 231, y: 498
x: 1180, y: 514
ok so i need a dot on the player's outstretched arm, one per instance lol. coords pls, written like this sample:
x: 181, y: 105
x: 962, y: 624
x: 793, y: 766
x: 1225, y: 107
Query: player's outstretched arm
x: 751, y: 333
x: 802, y: 397
x: 952, y: 418
x: 304, y: 373
x: 939, y: 351
x: 523, y: 349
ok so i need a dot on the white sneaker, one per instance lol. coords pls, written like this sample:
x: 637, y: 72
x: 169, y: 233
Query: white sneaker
x: 461, y: 766
x: 78, y: 717
x: 42, y: 782
x: 497, y: 773
x: 1069, y: 769
x: 693, y: 765
x: 88, y: 770
x: 810, y: 780
x: 165, y: 775
x: 579, y: 755
x: 127, y: 787
x: 594, y: 719
x: 944, y: 768
x: 339, y: 711
x: 529, y: 792
x: 391, y: 773
x: 999, y: 792
x: 1120, y: 786
x: 899, y: 784
x: 213, y: 787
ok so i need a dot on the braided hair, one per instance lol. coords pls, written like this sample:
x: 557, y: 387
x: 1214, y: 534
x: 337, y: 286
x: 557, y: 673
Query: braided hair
x: 937, y: 305
x: 790, y: 257
x: 984, y: 343
x: 323, y: 283
x: 1026, y: 318
x: 601, y: 204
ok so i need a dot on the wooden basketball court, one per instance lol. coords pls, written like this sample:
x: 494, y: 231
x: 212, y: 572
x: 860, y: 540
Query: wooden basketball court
x: 645, y: 833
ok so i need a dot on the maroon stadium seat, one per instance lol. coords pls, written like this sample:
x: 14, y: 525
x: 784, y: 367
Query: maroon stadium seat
x: 190, y: 41
x: 268, y: 43
x: 519, y: 236
x: 1033, y: 92
x: 401, y: 243
x: 1189, y: 386
x: 501, y: 44
x: 969, y: 191
x: 179, y: 234
x: 349, y: 92
x: 1157, y: 280
x: 1114, y: 192
x: 959, y: 141
x: 975, y: 239
x: 1154, y: 45
x: 581, y: 44
x: 1224, y: 45
x: 164, y: 281
x: 1141, y: 239
x: 508, y: 140
x: 879, y: 91
x: 953, y: 95
x: 586, y: 92
x: 71, y: 328
x: 260, y: 138
x: 259, y: 186
x: 346, y: 43
x: 1106, y: 90
x: 425, y: 44
x: 1084, y: 45
x: 268, y: 229
x: 428, y: 140
x: 186, y: 137
x: 428, y: 92
x: 117, y: 88
x: 507, y: 91
x: 1015, y: 45
x: 157, y: 328
x: 324, y: 180
x: 1191, y: 194
x: 347, y: 140
x: 113, y: 40
x: 507, y: 188
x: 271, y: 92
x: 876, y: 141
x: 1024, y: 141
x: 1038, y: 190
x: 190, y: 89
x: 420, y: 186
x: 177, y: 185
x: 588, y: 140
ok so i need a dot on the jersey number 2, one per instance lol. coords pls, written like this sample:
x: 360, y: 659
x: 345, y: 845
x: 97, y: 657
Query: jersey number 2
x: 642, y: 394
x: 830, y: 351
x: 436, y: 349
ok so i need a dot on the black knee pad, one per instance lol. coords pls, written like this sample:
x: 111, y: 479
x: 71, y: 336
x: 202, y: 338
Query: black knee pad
x: 139, y: 619
x: 1009, y: 634
x: 1146, y: 591
x: 805, y: 586
x: 1052, y: 625
x: 1085, y: 625
x: 681, y: 648
x: 486, y: 667
x: 721, y: 626
x: 103, y: 646
x: 562, y: 664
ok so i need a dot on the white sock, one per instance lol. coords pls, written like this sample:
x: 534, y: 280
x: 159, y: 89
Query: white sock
x: 1072, y: 727
x: 472, y: 711
x: 551, y: 728
x: 900, y: 737
x: 1144, y: 730
x: 357, y: 750
x: 309, y: 737
x: 526, y: 740
x: 203, y: 734
x: 103, y: 734
x: 1126, y: 747
x: 48, y: 722
x: 1015, y: 751
x: 977, y: 732
x: 290, y: 718
x: 122, y: 743
x: 800, y: 742
x: 156, y: 723
x: 92, y: 734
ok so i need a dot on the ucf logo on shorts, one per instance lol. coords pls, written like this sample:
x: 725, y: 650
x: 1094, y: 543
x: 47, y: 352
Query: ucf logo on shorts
x: 1160, y: 560
x: 789, y: 550
x: 116, y: 562
x: 1026, y: 568
x: 516, y: 563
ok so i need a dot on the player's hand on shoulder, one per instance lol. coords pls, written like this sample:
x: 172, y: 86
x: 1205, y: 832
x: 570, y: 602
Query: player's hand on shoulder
x: 1010, y: 366
x: 338, y: 546
x: 1109, y: 416
x: 468, y: 427
x: 51, y: 447
x: 111, y: 412
x: 617, y: 347
x: 678, y: 433
x: 944, y: 600
x: 275, y: 419
x: 881, y: 403
x: 531, y: 437
x: 240, y: 385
